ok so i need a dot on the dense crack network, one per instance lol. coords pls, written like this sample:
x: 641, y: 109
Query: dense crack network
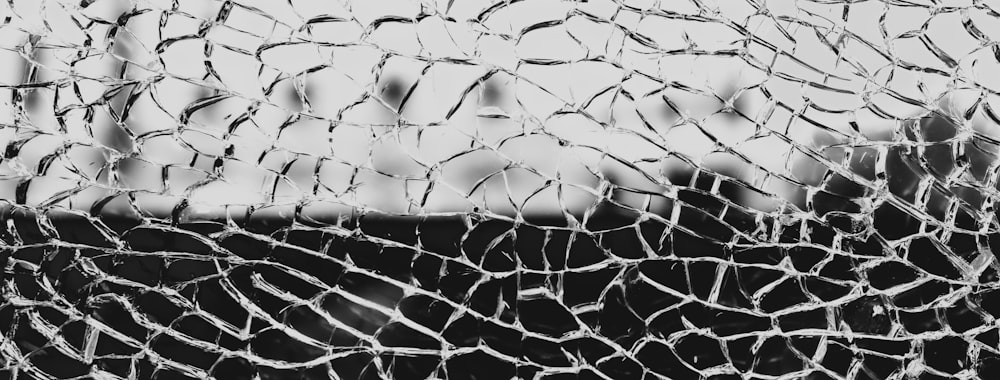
x: 462, y: 189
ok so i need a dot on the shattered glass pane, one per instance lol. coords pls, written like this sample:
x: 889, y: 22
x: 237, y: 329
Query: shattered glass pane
x: 497, y: 189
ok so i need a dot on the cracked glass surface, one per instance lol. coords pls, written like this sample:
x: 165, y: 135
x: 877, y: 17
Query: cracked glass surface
x: 537, y: 189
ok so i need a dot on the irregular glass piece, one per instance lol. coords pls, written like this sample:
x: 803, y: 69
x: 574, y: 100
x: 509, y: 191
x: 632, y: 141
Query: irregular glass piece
x: 533, y: 189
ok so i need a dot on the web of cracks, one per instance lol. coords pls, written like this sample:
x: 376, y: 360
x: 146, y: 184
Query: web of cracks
x: 515, y: 189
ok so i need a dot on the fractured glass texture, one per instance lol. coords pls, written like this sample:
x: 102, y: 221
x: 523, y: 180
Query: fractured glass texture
x: 463, y: 189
